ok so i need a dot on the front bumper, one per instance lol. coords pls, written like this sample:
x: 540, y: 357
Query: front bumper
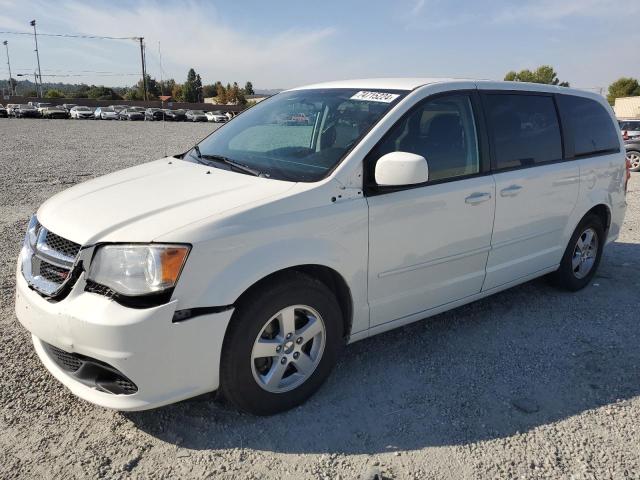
x: 168, y: 362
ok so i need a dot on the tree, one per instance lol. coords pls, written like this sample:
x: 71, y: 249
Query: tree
x: 543, y: 74
x: 52, y: 93
x: 166, y: 86
x: 190, y: 87
x: 221, y: 94
x: 102, y: 93
x: 248, y: 89
x: 198, y: 88
x: 623, y: 87
x: 176, y: 93
x: 209, y: 91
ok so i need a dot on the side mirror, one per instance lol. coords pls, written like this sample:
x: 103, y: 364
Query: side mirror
x: 401, y: 168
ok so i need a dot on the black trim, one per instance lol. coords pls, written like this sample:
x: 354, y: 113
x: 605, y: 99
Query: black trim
x: 371, y: 189
x: 138, y: 302
x: 189, y: 313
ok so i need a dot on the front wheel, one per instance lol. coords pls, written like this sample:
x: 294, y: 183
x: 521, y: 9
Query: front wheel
x: 282, y: 343
x: 634, y: 160
x: 582, y: 256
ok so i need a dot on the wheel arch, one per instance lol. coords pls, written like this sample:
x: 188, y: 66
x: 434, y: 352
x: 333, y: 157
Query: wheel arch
x: 332, y: 279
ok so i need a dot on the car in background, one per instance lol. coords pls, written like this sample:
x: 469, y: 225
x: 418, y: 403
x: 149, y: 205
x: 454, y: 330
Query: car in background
x: 80, y: 111
x: 632, y: 148
x: 54, y: 111
x: 118, y: 108
x: 24, y: 110
x: 195, y: 116
x: 3, y: 112
x: 217, y: 117
x: 40, y: 106
x: 174, y: 115
x: 154, y: 114
x: 105, y: 113
x: 629, y: 128
x: 131, y: 113
x: 10, y: 109
x: 69, y: 106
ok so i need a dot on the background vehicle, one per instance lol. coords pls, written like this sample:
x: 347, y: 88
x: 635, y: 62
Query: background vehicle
x: 105, y: 113
x: 40, y: 106
x: 217, y: 117
x: 174, y: 115
x: 3, y: 112
x: 152, y: 114
x: 54, y: 111
x: 630, y: 128
x: 11, y: 109
x: 118, y: 108
x: 80, y: 111
x: 195, y: 116
x: 131, y: 113
x: 25, y: 111
x: 68, y: 106
x: 632, y: 148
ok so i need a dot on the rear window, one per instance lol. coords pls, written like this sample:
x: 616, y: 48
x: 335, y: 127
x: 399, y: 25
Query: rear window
x: 525, y: 129
x: 590, y: 125
x: 629, y: 125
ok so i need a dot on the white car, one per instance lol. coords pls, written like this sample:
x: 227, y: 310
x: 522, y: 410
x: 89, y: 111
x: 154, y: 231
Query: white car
x: 630, y: 128
x: 105, y: 113
x: 217, y: 117
x: 79, y: 112
x: 247, y: 263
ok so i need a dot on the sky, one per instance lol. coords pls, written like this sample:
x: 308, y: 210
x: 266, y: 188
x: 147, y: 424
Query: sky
x: 287, y: 43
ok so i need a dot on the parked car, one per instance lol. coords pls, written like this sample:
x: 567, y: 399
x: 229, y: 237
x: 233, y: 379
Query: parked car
x: 79, y: 112
x: 11, y: 109
x: 629, y: 128
x: 54, y: 111
x: 131, y: 113
x: 40, y: 106
x: 3, y: 112
x: 409, y: 197
x: 25, y: 110
x: 68, y: 106
x: 632, y: 148
x: 153, y: 114
x: 217, y: 117
x: 195, y: 116
x: 174, y: 115
x: 118, y: 108
x: 105, y: 113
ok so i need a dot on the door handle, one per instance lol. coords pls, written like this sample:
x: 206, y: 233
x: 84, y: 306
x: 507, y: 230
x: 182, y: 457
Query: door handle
x: 510, y: 191
x: 477, y: 197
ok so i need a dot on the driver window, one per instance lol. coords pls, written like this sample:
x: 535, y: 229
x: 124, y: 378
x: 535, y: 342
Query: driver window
x: 442, y: 130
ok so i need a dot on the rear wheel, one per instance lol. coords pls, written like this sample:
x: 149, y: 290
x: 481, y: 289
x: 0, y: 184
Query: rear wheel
x: 634, y: 160
x: 582, y: 256
x: 282, y: 343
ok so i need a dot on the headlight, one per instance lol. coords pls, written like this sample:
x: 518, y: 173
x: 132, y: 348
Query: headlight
x: 138, y: 269
x: 32, y: 233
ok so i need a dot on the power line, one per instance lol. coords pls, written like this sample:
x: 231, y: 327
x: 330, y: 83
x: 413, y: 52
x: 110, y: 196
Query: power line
x: 71, y: 35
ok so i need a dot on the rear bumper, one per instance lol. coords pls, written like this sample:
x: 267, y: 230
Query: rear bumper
x: 167, y: 361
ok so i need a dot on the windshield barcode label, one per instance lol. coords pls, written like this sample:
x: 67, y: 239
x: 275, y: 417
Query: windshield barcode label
x: 375, y: 96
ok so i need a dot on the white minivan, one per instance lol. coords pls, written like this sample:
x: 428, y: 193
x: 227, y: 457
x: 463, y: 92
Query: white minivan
x: 319, y: 217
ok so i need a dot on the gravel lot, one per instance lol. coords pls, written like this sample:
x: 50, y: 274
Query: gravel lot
x: 530, y: 383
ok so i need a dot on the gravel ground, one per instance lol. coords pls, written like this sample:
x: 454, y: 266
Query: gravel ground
x: 530, y: 383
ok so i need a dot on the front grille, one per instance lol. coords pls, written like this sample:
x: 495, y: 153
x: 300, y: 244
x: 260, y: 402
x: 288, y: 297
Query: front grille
x: 47, y: 266
x: 91, y: 372
x: 94, y: 287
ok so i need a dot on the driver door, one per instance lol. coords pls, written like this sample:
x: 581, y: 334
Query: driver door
x: 428, y: 244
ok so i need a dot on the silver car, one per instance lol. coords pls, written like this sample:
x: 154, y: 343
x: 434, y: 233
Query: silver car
x: 629, y: 128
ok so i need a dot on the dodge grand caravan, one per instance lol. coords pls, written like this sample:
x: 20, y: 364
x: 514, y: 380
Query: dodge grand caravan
x: 245, y: 264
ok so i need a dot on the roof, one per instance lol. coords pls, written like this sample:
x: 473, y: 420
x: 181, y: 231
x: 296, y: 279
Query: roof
x: 379, y: 83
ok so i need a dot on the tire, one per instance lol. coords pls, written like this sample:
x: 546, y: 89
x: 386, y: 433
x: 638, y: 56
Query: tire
x: 244, y: 375
x: 571, y: 277
x: 634, y: 160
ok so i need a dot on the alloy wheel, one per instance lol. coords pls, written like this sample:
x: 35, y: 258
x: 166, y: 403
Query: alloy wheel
x: 584, y: 253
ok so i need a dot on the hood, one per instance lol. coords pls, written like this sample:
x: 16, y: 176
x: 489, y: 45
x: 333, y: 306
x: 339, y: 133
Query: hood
x: 142, y: 203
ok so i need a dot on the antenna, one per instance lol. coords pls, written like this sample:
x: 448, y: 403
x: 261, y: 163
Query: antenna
x: 164, y: 135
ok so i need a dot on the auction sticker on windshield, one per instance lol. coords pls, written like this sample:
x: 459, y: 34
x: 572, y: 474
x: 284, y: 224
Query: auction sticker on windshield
x: 375, y: 96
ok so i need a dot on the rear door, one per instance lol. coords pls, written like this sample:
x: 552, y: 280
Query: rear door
x: 428, y: 244
x: 536, y: 190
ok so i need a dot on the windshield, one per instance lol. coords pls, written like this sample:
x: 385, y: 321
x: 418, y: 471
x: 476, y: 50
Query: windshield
x: 83, y: 109
x: 299, y: 135
x: 108, y: 109
x: 626, y: 125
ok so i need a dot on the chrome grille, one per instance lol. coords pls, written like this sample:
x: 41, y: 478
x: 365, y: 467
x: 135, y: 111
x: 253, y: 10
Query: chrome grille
x: 47, y: 264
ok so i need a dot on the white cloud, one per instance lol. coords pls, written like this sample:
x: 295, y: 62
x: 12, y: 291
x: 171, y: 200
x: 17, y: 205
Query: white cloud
x: 193, y: 36
x: 553, y: 11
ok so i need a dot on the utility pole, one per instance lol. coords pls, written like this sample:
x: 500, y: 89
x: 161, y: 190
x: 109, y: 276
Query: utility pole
x: 144, y: 68
x: 11, y: 89
x: 35, y: 37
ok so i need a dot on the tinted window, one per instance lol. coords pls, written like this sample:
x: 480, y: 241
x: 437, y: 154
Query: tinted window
x: 525, y: 129
x: 629, y: 125
x: 441, y: 130
x: 590, y: 124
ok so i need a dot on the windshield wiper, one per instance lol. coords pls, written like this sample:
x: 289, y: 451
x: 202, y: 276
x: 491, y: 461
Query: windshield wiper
x: 227, y: 161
